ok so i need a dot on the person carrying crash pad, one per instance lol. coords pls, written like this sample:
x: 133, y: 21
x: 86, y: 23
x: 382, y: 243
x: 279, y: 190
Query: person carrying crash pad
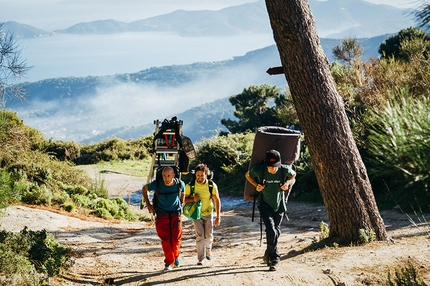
x: 272, y: 181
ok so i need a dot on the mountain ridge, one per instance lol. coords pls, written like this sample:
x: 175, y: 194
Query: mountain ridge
x: 334, y: 19
x: 88, y: 109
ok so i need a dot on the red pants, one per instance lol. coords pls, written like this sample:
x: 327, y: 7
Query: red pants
x: 169, y: 229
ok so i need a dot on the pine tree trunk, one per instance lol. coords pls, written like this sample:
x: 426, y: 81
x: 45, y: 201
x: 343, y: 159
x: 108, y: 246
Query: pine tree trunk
x: 341, y: 174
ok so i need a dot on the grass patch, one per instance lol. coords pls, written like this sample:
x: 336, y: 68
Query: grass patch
x: 136, y: 168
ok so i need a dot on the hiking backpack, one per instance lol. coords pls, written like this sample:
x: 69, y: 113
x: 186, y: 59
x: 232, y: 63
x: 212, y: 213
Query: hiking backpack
x: 158, y: 179
x: 193, y: 182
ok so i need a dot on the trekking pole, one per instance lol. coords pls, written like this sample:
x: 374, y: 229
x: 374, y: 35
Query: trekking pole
x: 253, y: 207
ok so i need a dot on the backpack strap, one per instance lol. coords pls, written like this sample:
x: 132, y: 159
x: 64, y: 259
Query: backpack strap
x: 211, y: 187
x: 210, y: 184
x: 177, y: 183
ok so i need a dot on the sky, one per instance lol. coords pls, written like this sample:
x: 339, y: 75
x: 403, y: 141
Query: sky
x: 51, y: 15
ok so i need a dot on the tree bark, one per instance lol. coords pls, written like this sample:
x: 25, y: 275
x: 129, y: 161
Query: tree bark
x: 341, y: 174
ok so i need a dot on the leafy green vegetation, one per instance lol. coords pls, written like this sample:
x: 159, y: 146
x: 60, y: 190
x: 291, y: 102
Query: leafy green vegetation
x: 258, y: 106
x: 32, y: 173
x: 407, y: 275
x: 228, y: 157
x: 388, y: 103
x: 30, y: 257
x: 399, y: 138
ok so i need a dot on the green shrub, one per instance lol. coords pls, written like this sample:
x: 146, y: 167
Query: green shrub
x: 397, y: 153
x: 27, y: 251
x: 60, y: 197
x: 16, y: 269
x: 98, y: 187
x: 115, y: 149
x: 63, y: 151
x: 407, y: 275
x: 366, y: 236
x: 37, y: 195
x: 124, y: 211
x: 228, y: 157
x: 83, y: 201
x: 75, y: 190
x: 115, y: 208
x: 102, y: 213
x: 69, y: 207
x: 19, y: 188
x: 5, y: 189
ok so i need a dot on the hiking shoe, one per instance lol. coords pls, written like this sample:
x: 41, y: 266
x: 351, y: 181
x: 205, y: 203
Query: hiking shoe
x: 208, y: 257
x: 177, y: 263
x: 200, y: 262
x: 266, y: 260
x: 272, y: 268
x: 168, y: 267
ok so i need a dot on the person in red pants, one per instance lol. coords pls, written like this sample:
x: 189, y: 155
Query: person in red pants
x: 166, y: 205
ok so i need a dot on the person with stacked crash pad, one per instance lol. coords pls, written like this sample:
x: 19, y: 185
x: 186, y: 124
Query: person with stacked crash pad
x: 272, y: 181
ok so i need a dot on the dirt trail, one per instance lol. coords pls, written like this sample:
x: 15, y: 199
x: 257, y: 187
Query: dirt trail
x: 124, y: 253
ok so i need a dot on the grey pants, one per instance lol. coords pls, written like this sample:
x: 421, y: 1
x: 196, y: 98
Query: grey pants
x: 204, y: 235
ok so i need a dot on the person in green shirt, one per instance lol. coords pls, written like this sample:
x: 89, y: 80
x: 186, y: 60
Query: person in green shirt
x: 272, y: 181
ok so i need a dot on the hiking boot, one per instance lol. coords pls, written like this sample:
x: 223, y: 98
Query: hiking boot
x: 272, y: 268
x: 177, y: 263
x: 272, y: 265
x: 168, y: 267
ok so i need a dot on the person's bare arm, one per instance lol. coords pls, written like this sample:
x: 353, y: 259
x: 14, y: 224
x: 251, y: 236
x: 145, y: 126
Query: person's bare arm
x: 217, y: 203
x: 147, y: 201
x: 252, y: 181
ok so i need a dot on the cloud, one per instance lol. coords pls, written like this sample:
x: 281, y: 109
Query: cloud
x: 132, y: 105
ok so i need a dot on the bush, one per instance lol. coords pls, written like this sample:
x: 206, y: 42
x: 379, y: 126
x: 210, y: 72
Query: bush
x: 60, y: 197
x: 83, y: 201
x: 228, y: 157
x: 397, y: 153
x: 37, y: 195
x: 5, y: 188
x: 115, y: 149
x: 63, y: 151
x: 407, y: 275
x: 115, y: 208
x: 31, y: 252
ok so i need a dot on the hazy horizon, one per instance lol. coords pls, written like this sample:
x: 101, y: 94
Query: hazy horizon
x: 65, y: 55
x: 53, y: 15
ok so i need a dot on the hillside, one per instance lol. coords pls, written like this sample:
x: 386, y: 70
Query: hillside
x: 20, y: 30
x: 334, y: 19
x: 89, y: 109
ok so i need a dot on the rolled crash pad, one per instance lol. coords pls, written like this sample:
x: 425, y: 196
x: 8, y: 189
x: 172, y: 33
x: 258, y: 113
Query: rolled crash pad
x: 286, y: 141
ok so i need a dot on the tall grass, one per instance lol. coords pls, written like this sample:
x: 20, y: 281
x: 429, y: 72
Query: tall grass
x: 398, y: 149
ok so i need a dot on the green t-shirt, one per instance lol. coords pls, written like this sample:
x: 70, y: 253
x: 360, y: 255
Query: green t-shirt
x: 272, y: 194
